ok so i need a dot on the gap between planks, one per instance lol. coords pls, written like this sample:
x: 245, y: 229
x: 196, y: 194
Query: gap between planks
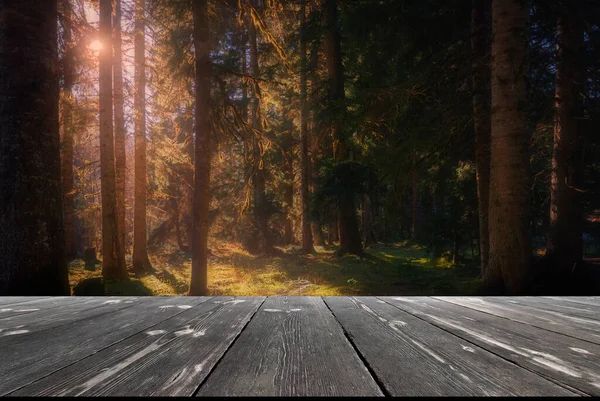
x: 360, y: 355
x: 517, y: 312
x: 97, y: 351
x: 228, y: 348
x: 465, y: 338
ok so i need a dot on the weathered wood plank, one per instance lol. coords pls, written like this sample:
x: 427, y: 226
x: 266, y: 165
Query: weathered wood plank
x: 566, y: 360
x: 26, y: 358
x: 594, y: 301
x: 561, y: 306
x: 292, y: 346
x: 414, y: 358
x: 17, y: 310
x: 170, y: 358
x: 26, y: 306
x: 45, y: 319
x: 11, y: 300
x: 518, y: 310
x: 35, y: 309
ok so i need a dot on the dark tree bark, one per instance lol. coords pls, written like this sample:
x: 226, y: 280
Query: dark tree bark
x: 480, y: 46
x: 199, y: 279
x: 67, y: 143
x: 332, y: 232
x: 315, y: 135
x: 439, y: 212
x: 347, y: 224
x: 141, y: 263
x: 307, y: 240
x: 415, y: 206
x: 317, y: 233
x: 455, y: 246
x: 113, y: 259
x: 119, y: 127
x: 509, y: 203
x: 32, y: 243
x: 566, y: 246
x: 258, y: 174
x: 367, y: 220
x: 288, y: 237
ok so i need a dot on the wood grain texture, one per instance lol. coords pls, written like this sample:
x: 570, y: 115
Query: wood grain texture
x: 9, y: 300
x: 572, y: 362
x: 292, y: 346
x: 557, y: 305
x: 39, y: 317
x: 27, y: 357
x: 170, y: 358
x: 594, y: 301
x: 414, y: 358
x: 27, y: 305
x: 135, y: 346
x: 529, y: 311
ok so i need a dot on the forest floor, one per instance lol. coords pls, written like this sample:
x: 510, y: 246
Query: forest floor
x: 392, y: 269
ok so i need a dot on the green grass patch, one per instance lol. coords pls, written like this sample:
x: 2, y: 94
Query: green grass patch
x: 398, y: 269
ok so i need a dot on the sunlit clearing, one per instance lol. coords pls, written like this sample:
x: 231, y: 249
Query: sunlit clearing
x: 96, y: 45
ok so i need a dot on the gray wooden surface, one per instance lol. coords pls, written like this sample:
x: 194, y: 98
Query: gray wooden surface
x: 293, y: 346
x: 340, y: 346
x: 539, y: 314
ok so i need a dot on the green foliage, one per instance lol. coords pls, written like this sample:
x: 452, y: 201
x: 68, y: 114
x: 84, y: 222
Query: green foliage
x: 399, y: 269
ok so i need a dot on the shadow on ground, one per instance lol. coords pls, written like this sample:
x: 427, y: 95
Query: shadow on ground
x: 97, y: 286
x: 385, y: 269
x: 402, y: 269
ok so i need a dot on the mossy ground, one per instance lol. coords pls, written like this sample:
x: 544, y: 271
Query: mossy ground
x: 392, y: 269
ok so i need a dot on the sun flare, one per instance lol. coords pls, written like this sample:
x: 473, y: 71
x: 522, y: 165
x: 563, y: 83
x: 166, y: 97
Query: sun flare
x: 96, y: 45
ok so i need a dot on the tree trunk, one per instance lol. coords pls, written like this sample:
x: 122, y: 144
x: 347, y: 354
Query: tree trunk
x: 199, y: 279
x: 32, y: 243
x: 113, y: 259
x: 439, y: 196
x: 141, y: 263
x: 471, y: 246
x: 315, y: 134
x: 67, y: 143
x: 347, y: 224
x: 367, y: 220
x: 414, y: 185
x: 332, y: 232
x: 567, y: 171
x: 509, y: 203
x: 317, y: 233
x: 188, y: 177
x: 288, y: 237
x: 119, y: 127
x: 307, y: 240
x: 89, y: 257
x: 480, y: 46
x: 258, y: 174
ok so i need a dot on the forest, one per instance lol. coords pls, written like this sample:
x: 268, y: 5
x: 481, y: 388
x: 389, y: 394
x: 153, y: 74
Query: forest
x: 299, y: 147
